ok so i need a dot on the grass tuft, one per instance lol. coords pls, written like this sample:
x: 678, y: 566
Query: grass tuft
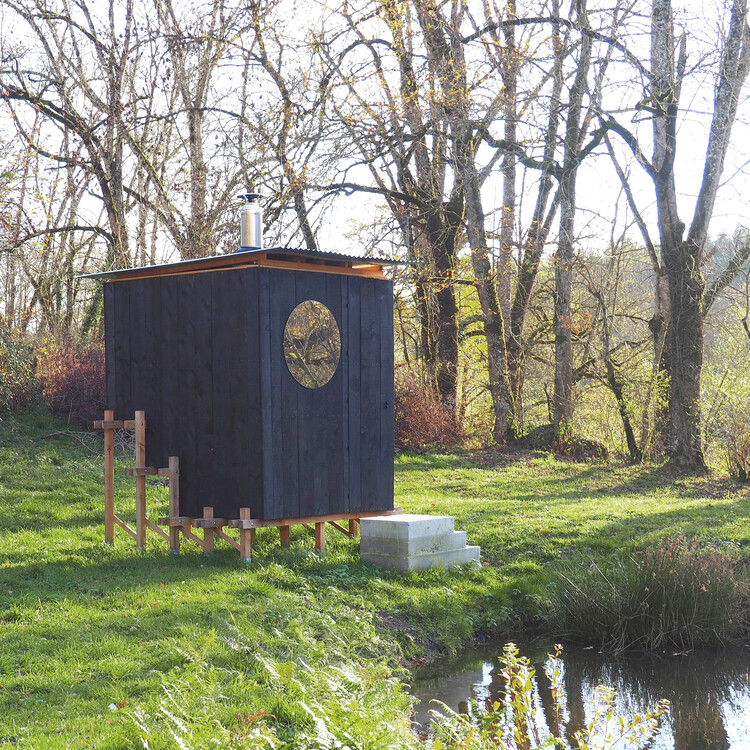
x: 679, y: 594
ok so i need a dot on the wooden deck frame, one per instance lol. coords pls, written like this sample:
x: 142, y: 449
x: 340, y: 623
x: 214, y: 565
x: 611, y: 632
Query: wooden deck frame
x: 182, y: 525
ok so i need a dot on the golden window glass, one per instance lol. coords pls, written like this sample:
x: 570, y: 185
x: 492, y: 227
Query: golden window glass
x: 312, y: 344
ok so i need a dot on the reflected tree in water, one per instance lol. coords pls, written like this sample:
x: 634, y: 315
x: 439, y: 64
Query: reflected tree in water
x: 696, y: 686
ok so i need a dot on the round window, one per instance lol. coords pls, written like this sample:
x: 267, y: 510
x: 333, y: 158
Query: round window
x: 312, y: 344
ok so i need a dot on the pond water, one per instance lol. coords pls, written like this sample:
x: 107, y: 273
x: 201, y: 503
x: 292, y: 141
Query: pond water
x: 709, y: 691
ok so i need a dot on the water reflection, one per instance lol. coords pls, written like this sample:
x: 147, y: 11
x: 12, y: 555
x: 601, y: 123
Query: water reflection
x: 709, y: 691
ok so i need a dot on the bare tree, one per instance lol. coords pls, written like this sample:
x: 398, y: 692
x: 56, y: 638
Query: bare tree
x: 682, y: 254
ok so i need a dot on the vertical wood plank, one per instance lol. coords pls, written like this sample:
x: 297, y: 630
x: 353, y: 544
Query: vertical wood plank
x: 266, y: 388
x: 384, y: 499
x: 344, y: 366
x: 332, y: 428
x: 185, y: 380
x: 284, y: 402
x: 140, y: 481
x: 149, y: 377
x: 109, y: 481
x: 138, y: 363
x: 313, y: 417
x: 354, y: 393
x: 121, y: 403
x: 285, y: 536
x: 204, y: 476
x: 248, y: 428
x: 169, y: 360
x: 174, y: 503
x: 110, y: 364
x: 370, y: 404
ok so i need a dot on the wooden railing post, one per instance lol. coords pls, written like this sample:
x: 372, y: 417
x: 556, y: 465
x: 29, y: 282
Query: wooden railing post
x: 174, y: 503
x: 140, y: 481
x: 109, y: 480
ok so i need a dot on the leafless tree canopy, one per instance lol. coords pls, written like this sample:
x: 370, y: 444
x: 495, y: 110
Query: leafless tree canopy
x: 519, y: 152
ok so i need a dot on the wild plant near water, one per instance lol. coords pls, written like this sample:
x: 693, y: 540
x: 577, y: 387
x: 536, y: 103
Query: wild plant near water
x: 512, y: 724
x: 679, y: 594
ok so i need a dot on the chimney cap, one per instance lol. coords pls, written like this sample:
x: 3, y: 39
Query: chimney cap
x: 249, y: 197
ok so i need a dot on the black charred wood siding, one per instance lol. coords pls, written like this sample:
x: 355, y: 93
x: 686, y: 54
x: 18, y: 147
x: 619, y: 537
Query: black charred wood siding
x: 202, y: 354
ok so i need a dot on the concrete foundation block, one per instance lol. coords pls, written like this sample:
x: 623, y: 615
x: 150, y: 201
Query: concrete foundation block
x: 414, y: 542
x: 425, y: 561
x: 405, y: 526
x: 453, y: 540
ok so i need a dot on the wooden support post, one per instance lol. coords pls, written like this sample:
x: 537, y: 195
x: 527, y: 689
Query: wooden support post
x: 140, y: 481
x: 285, y: 538
x: 353, y: 527
x: 320, y: 536
x: 208, y: 533
x: 247, y: 538
x: 109, y: 480
x: 174, y: 503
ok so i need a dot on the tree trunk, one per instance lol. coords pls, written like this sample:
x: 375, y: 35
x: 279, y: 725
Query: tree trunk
x: 563, y: 397
x: 685, y: 337
x: 444, y: 253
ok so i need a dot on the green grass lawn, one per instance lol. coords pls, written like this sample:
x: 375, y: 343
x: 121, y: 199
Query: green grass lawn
x: 102, y: 647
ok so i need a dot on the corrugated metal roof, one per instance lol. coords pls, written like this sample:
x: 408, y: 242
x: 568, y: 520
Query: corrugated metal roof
x: 312, y: 258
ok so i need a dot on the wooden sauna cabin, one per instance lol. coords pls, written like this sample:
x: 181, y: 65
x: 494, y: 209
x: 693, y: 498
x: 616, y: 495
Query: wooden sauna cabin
x: 269, y: 373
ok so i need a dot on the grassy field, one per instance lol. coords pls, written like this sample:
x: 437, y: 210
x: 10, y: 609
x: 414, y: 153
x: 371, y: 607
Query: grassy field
x: 101, y: 647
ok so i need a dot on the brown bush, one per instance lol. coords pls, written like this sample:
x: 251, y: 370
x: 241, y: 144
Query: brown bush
x: 422, y: 422
x: 73, y: 381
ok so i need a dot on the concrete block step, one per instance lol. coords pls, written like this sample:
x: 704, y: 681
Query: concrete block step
x: 414, y: 545
x: 405, y: 526
x: 444, y: 559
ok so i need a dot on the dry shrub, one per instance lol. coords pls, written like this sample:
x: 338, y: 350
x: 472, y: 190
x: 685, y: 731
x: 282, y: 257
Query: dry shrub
x: 422, y: 422
x: 73, y: 381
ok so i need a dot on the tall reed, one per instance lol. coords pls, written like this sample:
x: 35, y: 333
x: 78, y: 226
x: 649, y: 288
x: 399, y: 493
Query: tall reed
x: 677, y: 595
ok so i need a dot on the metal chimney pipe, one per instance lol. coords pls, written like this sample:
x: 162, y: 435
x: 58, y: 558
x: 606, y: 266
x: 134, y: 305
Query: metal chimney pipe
x: 251, y: 222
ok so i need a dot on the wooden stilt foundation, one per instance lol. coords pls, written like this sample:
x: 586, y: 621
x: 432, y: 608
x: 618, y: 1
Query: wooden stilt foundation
x: 320, y: 536
x: 285, y: 535
x: 181, y: 526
